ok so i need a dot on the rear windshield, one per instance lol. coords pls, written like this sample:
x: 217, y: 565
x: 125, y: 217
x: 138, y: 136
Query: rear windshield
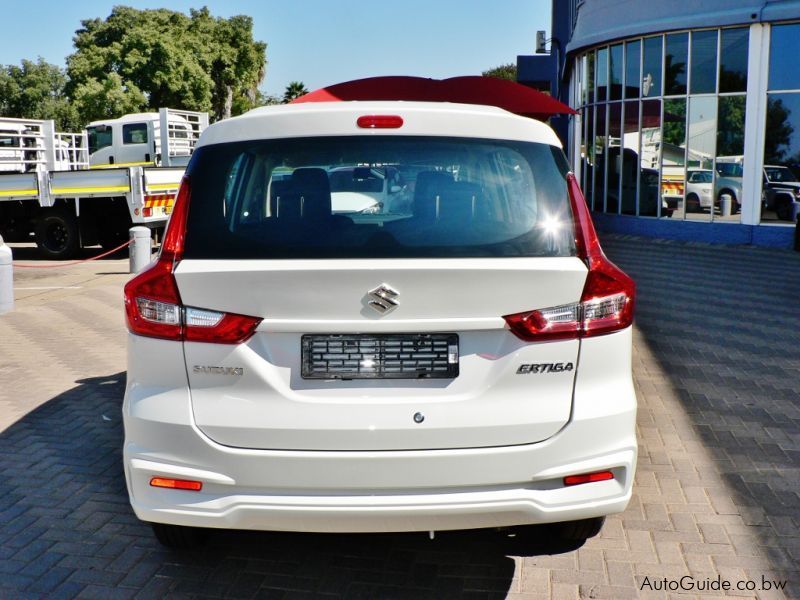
x: 378, y: 197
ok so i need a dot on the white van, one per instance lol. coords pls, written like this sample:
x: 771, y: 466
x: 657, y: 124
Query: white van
x: 463, y: 364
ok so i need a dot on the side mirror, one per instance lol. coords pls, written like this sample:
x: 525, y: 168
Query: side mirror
x: 395, y: 189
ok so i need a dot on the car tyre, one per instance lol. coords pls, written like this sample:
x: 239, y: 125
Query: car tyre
x: 178, y: 537
x: 692, y: 203
x: 57, y: 234
x: 784, y: 211
x: 580, y: 530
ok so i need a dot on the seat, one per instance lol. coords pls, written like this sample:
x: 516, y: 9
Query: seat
x: 459, y: 202
x: 429, y: 187
x: 311, y: 186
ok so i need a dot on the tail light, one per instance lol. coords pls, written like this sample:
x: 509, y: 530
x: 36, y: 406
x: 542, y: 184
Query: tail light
x: 588, y: 478
x: 153, y: 306
x: 607, y: 301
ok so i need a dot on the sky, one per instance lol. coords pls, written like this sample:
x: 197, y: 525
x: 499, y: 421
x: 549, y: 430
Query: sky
x: 319, y: 42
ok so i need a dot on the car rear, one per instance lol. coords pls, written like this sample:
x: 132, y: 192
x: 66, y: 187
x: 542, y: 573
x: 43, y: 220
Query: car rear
x: 461, y: 361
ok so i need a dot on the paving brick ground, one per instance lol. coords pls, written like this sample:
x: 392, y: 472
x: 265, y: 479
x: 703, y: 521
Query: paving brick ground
x: 717, y: 369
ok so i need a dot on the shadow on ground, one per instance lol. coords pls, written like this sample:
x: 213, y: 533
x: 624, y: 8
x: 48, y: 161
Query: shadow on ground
x: 66, y: 529
x: 723, y: 323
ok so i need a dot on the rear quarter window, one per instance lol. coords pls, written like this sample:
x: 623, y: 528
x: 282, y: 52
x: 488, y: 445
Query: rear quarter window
x: 378, y: 197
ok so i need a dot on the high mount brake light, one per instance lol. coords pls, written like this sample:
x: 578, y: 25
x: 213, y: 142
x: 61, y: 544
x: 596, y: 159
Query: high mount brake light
x: 608, y: 297
x: 153, y: 306
x: 380, y: 122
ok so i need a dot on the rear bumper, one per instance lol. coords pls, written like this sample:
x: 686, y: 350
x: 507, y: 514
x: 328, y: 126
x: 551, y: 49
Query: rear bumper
x: 361, y: 491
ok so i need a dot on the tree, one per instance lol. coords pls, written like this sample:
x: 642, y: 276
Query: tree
x: 109, y: 98
x: 730, y: 126
x: 507, y: 71
x: 36, y: 90
x: 295, y: 89
x: 194, y: 62
x: 779, y: 132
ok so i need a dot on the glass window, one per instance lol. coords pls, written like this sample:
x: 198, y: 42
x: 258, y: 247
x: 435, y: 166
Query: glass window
x: 401, y: 196
x: 589, y: 159
x: 700, y: 153
x: 633, y: 71
x: 602, y: 74
x: 733, y: 60
x: 704, y: 62
x: 630, y: 157
x: 580, y: 70
x: 673, y: 161
x: 135, y: 133
x: 614, y: 169
x: 590, y: 76
x: 651, y: 78
x: 780, y: 189
x: 598, y: 196
x: 730, y: 149
x: 784, y: 49
x: 615, y: 58
x: 675, y: 59
x: 99, y: 137
x: 649, y: 158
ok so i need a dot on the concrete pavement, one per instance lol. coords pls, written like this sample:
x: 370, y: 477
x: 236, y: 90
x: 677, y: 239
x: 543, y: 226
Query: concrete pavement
x: 717, y: 371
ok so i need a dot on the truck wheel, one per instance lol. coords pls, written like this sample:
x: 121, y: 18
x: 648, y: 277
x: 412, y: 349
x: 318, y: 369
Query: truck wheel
x: 784, y: 211
x: 177, y: 537
x: 57, y: 234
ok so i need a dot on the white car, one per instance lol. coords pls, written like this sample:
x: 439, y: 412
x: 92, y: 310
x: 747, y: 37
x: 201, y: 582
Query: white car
x: 366, y: 190
x: 464, y: 365
x: 699, y: 189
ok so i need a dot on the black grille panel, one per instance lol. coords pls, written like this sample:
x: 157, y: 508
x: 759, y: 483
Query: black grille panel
x: 383, y: 356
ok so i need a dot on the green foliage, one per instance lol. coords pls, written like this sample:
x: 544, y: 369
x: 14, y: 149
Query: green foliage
x: 730, y: 128
x: 194, y: 62
x: 36, y: 90
x: 507, y: 71
x: 295, y: 89
x: 675, y: 122
x: 779, y: 132
x: 109, y: 98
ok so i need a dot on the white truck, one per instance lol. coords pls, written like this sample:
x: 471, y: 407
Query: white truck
x: 73, y: 190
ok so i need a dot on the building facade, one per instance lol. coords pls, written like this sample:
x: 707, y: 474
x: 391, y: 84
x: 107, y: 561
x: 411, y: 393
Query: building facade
x: 689, y: 115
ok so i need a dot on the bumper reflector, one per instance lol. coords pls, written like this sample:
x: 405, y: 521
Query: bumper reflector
x: 176, y: 484
x: 588, y: 478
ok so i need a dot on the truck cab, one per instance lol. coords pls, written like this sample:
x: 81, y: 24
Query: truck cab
x: 136, y: 139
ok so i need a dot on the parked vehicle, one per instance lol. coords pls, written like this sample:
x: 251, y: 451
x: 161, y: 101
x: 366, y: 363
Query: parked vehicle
x: 781, y: 192
x: 369, y: 190
x: 729, y: 181
x: 48, y: 193
x: 136, y: 139
x: 699, y: 189
x: 464, y: 364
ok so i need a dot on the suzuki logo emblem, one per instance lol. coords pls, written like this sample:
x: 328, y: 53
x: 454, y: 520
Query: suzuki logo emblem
x: 383, y: 298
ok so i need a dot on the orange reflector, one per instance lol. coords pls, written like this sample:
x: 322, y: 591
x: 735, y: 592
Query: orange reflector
x: 380, y: 122
x: 176, y: 484
x: 588, y: 478
x: 147, y: 211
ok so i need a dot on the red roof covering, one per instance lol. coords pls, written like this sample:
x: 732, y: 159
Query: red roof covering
x: 471, y: 89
